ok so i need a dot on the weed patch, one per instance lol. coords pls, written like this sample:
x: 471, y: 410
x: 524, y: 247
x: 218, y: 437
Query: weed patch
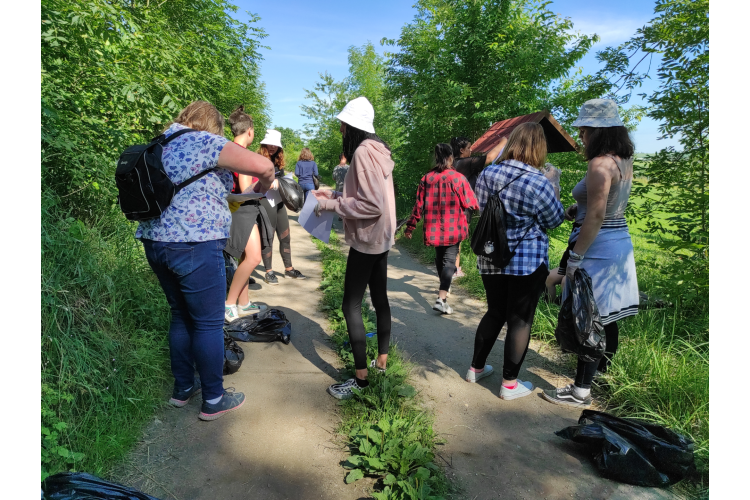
x: 389, y: 434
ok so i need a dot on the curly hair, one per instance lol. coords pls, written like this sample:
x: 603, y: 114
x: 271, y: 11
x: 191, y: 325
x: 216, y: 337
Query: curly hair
x: 277, y: 159
x: 306, y: 155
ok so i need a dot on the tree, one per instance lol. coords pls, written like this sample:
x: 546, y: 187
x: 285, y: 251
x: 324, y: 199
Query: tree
x: 293, y: 143
x: 674, y: 200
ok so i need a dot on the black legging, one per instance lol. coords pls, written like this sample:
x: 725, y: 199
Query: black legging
x: 586, y: 371
x: 445, y: 261
x: 512, y: 299
x: 362, y: 270
x: 280, y: 222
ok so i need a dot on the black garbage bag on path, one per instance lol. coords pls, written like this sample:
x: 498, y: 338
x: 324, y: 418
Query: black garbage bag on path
x: 271, y: 326
x: 292, y: 194
x: 579, y: 327
x: 233, y: 355
x: 83, y: 486
x: 633, y: 451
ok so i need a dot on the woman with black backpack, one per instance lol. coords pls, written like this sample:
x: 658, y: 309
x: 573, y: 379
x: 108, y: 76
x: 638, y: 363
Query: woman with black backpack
x: 531, y: 207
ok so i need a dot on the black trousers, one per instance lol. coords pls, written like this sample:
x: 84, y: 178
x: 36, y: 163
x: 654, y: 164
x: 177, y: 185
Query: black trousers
x: 510, y: 299
x: 586, y: 371
x: 445, y: 261
x: 279, y: 220
x: 363, y: 270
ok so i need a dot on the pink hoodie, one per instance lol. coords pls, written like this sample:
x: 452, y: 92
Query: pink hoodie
x: 368, y: 204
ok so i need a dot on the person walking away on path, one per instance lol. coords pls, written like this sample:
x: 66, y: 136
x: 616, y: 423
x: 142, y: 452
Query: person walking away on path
x: 600, y: 243
x: 531, y: 207
x: 271, y: 148
x: 184, y: 247
x: 368, y: 207
x: 305, y: 170
x: 470, y: 167
x: 339, y: 173
x: 443, y: 196
x: 244, y: 236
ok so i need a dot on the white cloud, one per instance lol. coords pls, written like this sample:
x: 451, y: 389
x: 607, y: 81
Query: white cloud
x: 611, y: 31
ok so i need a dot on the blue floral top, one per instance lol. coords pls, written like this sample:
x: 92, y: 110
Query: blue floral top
x: 199, y: 212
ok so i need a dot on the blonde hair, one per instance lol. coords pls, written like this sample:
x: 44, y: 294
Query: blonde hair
x: 306, y: 155
x: 526, y: 144
x: 201, y: 115
x: 277, y: 159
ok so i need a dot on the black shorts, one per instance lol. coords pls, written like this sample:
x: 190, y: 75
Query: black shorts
x: 243, y: 220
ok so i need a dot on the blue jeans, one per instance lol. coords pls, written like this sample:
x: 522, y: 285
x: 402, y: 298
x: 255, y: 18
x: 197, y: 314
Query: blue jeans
x: 193, y: 278
x: 307, y: 187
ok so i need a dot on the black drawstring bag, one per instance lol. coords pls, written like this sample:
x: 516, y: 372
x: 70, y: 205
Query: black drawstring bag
x: 633, y: 451
x: 272, y: 326
x: 490, y: 239
x: 579, y: 327
x: 233, y: 355
x: 83, y: 486
x: 292, y: 194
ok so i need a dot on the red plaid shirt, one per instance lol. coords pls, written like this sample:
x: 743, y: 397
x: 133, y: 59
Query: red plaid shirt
x: 443, y: 197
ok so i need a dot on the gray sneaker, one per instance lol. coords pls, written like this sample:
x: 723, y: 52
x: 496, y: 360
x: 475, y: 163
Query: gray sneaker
x: 344, y: 390
x: 442, y: 306
x: 566, y: 396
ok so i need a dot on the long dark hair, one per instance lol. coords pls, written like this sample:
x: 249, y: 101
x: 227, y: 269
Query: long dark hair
x: 354, y: 138
x: 443, y: 157
x: 457, y: 144
x: 609, y: 140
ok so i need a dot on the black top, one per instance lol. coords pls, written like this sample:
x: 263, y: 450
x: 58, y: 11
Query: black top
x: 470, y: 167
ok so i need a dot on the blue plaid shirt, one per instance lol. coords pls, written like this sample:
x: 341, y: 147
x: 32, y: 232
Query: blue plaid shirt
x: 529, y: 203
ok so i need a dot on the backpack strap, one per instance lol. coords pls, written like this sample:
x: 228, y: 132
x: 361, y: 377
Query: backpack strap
x: 193, y: 179
x: 166, y: 140
x: 532, y: 224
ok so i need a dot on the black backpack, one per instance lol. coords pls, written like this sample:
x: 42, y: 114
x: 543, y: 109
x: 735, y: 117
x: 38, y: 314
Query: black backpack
x: 145, y: 189
x: 490, y: 239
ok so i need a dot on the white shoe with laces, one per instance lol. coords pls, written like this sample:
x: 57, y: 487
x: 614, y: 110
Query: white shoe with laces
x: 442, y: 306
x: 473, y: 377
x: 522, y: 389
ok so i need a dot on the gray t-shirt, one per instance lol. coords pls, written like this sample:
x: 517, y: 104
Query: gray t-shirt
x: 339, y: 174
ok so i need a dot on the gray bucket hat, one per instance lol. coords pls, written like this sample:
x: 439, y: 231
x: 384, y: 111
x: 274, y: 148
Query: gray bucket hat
x: 598, y: 113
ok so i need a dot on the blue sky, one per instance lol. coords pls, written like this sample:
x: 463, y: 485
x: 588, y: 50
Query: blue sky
x: 307, y: 38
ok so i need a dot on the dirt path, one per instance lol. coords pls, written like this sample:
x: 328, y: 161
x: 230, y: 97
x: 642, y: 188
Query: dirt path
x: 279, y: 444
x: 494, y: 449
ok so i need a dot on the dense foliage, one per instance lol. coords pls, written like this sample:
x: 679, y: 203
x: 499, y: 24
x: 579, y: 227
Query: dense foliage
x: 114, y: 73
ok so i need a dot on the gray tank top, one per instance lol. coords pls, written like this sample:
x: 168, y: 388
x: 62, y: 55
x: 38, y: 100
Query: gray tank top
x: 619, y: 192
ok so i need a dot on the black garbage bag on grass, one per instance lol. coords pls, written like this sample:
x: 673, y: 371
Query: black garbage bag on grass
x: 633, y: 451
x: 271, y: 326
x: 83, y: 486
x: 579, y: 326
x: 292, y: 194
x: 233, y: 355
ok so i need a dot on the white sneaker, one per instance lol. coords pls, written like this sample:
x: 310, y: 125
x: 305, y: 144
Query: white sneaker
x: 472, y: 376
x: 230, y: 313
x: 442, y: 306
x: 522, y: 389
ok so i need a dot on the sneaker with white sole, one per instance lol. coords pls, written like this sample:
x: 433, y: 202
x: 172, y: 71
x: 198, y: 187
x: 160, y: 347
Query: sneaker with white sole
x: 344, y: 390
x: 522, y: 389
x: 442, y: 306
x: 181, y: 398
x: 373, y: 364
x: 294, y: 274
x: 229, y: 402
x: 473, y: 377
x: 250, y: 308
x: 271, y: 278
x: 566, y: 396
x: 230, y: 313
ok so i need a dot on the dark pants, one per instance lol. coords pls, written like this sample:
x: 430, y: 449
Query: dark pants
x: 510, y: 299
x: 364, y: 270
x: 193, y: 278
x: 279, y: 220
x: 445, y: 261
x: 307, y: 187
x: 586, y: 371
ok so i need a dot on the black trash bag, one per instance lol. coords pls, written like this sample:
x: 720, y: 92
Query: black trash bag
x: 233, y: 355
x: 489, y: 239
x: 272, y: 327
x: 292, y: 194
x: 83, y: 486
x: 579, y: 327
x: 230, y: 264
x: 632, y: 451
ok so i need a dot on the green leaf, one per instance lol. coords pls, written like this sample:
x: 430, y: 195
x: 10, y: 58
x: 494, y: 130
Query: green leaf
x: 407, y: 391
x: 389, y: 479
x: 421, y: 474
x: 354, y: 475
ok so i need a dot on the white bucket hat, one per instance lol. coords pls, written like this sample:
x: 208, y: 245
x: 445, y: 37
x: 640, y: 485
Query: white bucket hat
x: 358, y: 113
x: 272, y: 138
x: 598, y: 113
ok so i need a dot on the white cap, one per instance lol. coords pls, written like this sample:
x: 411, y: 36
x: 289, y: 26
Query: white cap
x: 272, y: 138
x: 359, y: 114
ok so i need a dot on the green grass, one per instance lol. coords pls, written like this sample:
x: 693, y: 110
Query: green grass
x: 389, y: 434
x: 660, y: 372
x: 104, y: 343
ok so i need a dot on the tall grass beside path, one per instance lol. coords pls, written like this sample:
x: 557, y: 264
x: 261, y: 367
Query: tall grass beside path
x: 104, y: 352
x: 388, y: 433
